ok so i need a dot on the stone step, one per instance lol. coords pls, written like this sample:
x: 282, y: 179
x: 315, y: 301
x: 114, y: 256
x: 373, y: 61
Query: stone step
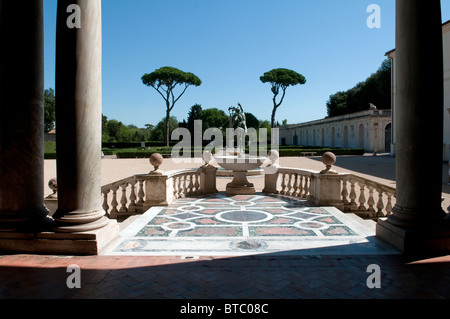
x: 367, y: 226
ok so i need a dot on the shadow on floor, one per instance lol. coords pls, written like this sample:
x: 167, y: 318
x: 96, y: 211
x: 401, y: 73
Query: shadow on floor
x: 266, y: 276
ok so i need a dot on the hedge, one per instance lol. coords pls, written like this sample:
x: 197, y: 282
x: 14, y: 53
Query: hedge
x: 283, y: 152
x: 144, y: 154
x: 167, y: 152
x: 49, y: 155
x: 321, y: 151
x: 119, y: 145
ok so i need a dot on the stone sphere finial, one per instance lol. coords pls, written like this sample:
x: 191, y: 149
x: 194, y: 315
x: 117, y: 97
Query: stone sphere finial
x: 207, y: 157
x: 328, y: 159
x: 273, y: 155
x: 53, y: 185
x: 156, y: 161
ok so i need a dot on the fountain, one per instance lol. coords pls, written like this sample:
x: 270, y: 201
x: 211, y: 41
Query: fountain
x: 239, y: 163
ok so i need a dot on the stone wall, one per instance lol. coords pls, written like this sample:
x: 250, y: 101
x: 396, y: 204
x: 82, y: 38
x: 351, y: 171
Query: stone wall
x: 370, y: 130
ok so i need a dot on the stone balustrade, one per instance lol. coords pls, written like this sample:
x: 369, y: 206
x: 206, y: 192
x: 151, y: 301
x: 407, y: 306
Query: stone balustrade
x: 347, y: 192
x: 289, y: 181
x: 367, y: 198
x: 136, y: 194
x: 129, y: 193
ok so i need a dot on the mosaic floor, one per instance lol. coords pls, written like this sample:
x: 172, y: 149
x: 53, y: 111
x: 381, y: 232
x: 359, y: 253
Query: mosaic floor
x: 243, y: 225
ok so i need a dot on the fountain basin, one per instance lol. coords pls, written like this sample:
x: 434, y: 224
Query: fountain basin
x: 240, y: 165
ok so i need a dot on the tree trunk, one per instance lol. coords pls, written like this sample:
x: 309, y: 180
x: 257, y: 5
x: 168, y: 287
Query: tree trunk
x: 274, y: 111
x: 167, y: 126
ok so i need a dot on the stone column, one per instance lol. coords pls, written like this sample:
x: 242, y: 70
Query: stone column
x: 21, y: 115
x: 78, y: 117
x: 418, y: 215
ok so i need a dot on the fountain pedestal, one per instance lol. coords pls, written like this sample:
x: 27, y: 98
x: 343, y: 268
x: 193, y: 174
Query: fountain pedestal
x: 240, y: 185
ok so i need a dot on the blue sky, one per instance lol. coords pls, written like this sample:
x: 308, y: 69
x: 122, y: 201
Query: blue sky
x: 229, y: 45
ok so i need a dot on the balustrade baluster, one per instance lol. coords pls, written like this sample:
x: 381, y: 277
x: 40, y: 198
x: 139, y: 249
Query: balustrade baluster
x: 198, y: 191
x: 141, y: 194
x: 105, y: 201
x: 301, y: 189
x: 185, y: 185
x: 283, y: 184
x: 132, y: 206
x: 307, y: 186
x: 175, y: 186
x: 182, y: 186
x: 380, y: 204
x: 296, y: 189
x: 362, y: 198
x: 114, y: 203
x: 344, y: 195
x: 353, y: 206
x: 191, y: 184
x: 289, y: 185
x: 371, y: 202
x: 389, y: 204
x: 123, y: 199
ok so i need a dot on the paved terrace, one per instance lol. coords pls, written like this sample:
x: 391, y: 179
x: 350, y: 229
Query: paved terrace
x: 236, y: 247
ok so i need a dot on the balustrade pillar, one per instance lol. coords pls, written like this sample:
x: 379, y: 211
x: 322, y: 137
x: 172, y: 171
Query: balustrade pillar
x: 418, y: 219
x: 208, y: 179
x: 22, y: 116
x: 326, y: 190
x: 78, y: 117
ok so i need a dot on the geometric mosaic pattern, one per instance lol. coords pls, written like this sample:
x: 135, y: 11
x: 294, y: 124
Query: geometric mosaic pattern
x: 219, y: 225
x: 244, y: 216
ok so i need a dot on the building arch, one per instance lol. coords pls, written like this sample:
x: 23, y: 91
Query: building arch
x: 323, y: 137
x: 361, y: 135
x: 333, y: 137
x: 345, y: 136
x: 388, y: 137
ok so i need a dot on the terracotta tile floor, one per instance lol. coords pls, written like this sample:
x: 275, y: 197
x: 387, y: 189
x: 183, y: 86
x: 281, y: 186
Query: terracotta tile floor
x: 254, y: 277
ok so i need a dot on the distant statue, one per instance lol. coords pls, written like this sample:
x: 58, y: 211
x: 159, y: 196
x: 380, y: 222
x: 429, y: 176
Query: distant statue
x: 237, y: 115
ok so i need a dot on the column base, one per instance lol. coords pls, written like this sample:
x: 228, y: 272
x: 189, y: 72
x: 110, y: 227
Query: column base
x: 83, y: 243
x: 75, y: 222
x: 415, y: 241
x: 25, y: 221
